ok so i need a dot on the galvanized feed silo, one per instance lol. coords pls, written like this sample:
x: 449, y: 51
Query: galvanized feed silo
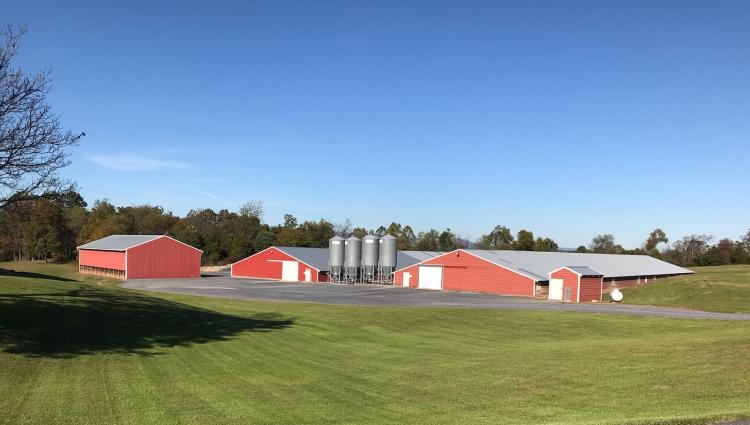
x: 387, y: 254
x: 387, y: 259
x: 352, y: 258
x: 353, y: 252
x: 336, y: 259
x: 370, y: 248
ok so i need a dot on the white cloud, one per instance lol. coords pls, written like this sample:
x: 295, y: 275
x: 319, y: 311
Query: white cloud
x: 214, y: 197
x: 123, y: 162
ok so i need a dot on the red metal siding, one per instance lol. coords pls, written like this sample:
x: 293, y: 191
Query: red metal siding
x: 591, y: 289
x: 104, y: 259
x: 398, y: 277
x: 163, y: 258
x: 570, y: 279
x: 267, y: 265
x: 466, y: 272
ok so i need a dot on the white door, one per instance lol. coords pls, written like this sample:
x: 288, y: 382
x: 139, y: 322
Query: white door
x: 290, y: 271
x: 431, y: 277
x: 407, y: 278
x: 555, y: 289
x: 308, y: 275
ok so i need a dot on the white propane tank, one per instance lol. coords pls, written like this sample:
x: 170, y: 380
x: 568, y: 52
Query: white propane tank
x: 616, y: 295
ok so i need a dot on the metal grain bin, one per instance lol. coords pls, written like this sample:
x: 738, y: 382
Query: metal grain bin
x: 353, y: 252
x: 370, y: 249
x: 336, y: 251
x: 387, y: 254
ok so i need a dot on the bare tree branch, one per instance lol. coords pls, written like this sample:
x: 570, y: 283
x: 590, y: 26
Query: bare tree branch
x: 33, y: 145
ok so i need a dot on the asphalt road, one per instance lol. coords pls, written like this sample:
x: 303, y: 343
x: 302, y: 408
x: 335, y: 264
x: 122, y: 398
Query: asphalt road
x: 223, y: 286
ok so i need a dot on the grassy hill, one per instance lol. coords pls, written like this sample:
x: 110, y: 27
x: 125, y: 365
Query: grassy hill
x: 76, y: 352
x: 721, y: 288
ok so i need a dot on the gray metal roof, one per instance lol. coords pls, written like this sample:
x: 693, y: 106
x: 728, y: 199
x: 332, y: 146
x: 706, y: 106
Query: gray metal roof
x: 318, y: 257
x: 538, y: 265
x: 315, y: 257
x: 584, y: 271
x: 409, y: 258
x: 118, y: 242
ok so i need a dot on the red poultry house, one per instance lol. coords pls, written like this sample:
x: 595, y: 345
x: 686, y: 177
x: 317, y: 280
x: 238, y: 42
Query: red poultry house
x: 140, y: 257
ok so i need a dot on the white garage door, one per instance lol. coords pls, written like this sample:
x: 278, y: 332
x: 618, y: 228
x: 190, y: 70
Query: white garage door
x: 431, y: 277
x: 555, y: 289
x: 290, y: 271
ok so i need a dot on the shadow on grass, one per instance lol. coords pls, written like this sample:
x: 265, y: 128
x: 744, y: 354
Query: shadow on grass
x: 91, y: 320
x: 13, y: 273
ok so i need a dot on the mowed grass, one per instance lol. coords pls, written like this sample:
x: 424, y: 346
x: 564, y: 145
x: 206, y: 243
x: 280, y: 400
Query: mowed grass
x: 80, y: 353
x: 720, y: 288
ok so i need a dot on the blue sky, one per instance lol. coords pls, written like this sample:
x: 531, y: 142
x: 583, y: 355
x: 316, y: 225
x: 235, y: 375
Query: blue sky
x: 567, y: 118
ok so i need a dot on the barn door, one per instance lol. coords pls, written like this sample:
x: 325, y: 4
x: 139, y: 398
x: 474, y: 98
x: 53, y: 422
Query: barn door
x: 430, y: 277
x: 290, y: 271
x: 568, y: 294
x: 556, y: 289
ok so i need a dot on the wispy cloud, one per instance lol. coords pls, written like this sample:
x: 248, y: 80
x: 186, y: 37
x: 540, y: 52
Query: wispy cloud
x: 123, y: 162
x: 214, y: 197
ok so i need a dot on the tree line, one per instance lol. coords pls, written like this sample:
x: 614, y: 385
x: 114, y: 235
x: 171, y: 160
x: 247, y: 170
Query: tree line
x: 690, y: 250
x: 51, y: 227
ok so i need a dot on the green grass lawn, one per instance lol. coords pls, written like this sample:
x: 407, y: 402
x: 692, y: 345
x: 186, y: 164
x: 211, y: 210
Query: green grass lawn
x: 721, y: 288
x: 75, y: 352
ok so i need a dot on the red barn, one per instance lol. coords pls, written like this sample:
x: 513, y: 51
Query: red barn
x: 575, y: 284
x: 289, y: 264
x: 461, y: 270
x: 532, y: 273
x: 302, y: 264
x: 140, y: 257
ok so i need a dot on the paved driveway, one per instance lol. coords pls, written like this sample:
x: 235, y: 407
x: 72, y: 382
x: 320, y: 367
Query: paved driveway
x: 223, y: 286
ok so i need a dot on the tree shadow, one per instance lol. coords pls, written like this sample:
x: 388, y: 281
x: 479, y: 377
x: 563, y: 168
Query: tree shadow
x: 32, y: 275
x: 92, y: 320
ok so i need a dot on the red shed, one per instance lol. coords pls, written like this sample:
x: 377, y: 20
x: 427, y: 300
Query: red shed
x: 575, y: 284
x: 290, y: 264
x: 140, y: 257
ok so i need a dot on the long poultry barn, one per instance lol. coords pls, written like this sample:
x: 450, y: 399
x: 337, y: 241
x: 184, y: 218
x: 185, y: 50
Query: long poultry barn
x: 572, y: 277
x: 140, y: 257
x: 301, y: 264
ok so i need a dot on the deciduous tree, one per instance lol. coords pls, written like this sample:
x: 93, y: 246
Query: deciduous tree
x: 724, y: 250
x: 447, y: 241
x: 253, y: 209
x: 428, y: 241
x: 605, y: 244
x: 499, y: 238
x: 655, y: 238
x: 524, y: 241
x: 545, y: 244
x: 359, y: 232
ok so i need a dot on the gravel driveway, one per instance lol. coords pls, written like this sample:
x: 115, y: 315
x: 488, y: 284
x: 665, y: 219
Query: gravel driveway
x: 223, y: 286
